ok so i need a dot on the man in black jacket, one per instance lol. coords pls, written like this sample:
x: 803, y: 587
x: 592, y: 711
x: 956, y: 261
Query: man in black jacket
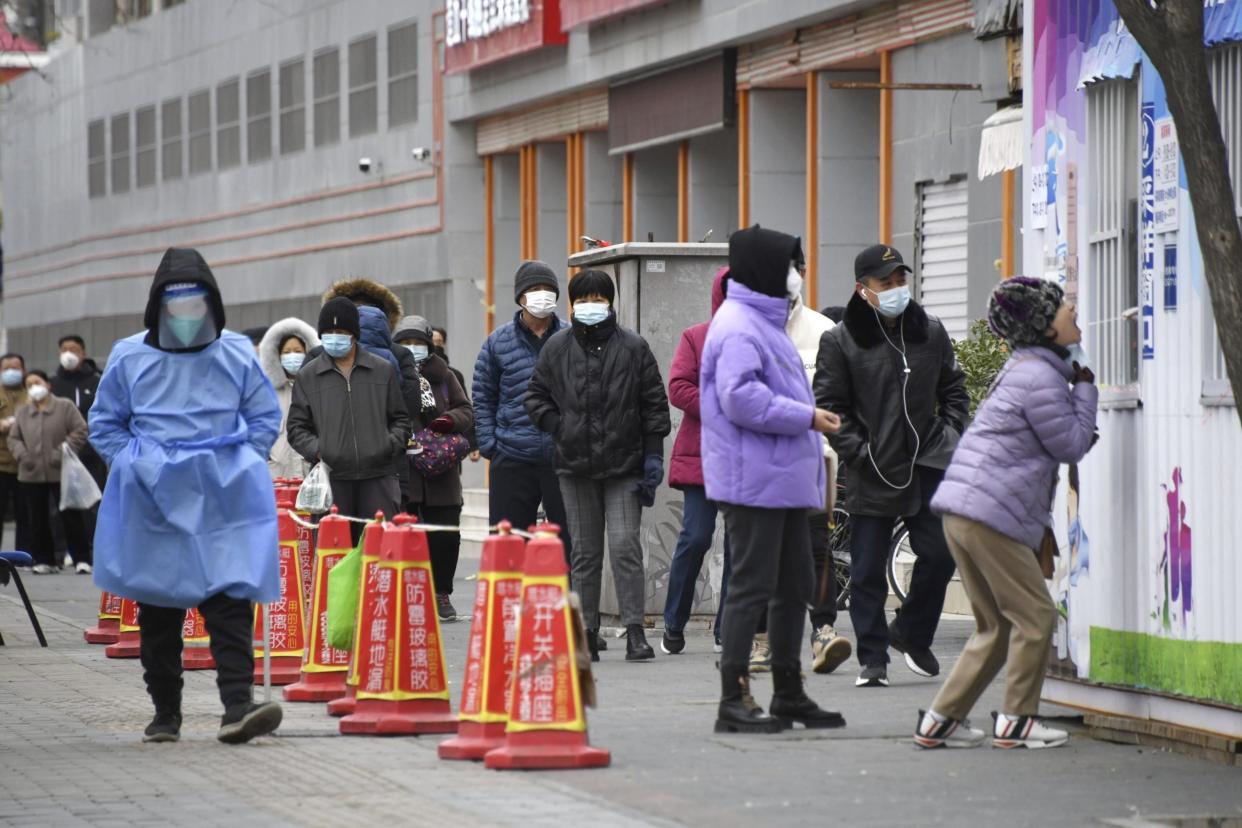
x: 77, y: 379
x: 347, y: 412
x: 598, y: 391
x: 889, y: 371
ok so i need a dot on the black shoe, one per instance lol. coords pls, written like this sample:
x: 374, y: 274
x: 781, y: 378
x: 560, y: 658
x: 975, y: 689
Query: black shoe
x: 445, y: 608
x: 872, y: 675
x: 242, y: 722
x: 738, y: 711
x: 165, y: 727
x: 601, y: 643
x: 593, y: 640
x: 920, y: 661
x: 673, y: 642
x: 636, y: 646
x: 790, y: 703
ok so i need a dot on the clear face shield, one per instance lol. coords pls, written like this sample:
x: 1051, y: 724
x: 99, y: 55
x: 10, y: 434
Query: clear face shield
x: 186, y: 320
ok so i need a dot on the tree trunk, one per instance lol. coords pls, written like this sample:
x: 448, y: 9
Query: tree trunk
x: 1171, y: 34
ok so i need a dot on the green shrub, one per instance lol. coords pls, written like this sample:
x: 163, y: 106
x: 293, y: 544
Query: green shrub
x: 981, y: 355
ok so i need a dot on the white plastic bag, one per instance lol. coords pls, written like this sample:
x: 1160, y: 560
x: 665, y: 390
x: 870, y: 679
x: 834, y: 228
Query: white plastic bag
x: 315, y: 495
x: 78, y: 489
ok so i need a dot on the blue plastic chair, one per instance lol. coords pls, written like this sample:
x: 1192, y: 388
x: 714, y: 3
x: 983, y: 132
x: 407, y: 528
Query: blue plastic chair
x: 9, y: 562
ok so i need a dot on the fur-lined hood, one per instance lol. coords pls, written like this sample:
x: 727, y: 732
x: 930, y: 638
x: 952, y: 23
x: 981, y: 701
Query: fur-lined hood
x: 372, y: 293
x: 269, y: 347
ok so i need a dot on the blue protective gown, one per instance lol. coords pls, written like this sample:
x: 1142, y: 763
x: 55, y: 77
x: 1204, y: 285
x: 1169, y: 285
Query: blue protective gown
x: 189, y: 510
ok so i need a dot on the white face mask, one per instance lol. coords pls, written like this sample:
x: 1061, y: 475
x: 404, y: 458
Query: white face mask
x: 540, y: 303
x: 69, y: 361
x: 793, y: 282
x: 38, y: 393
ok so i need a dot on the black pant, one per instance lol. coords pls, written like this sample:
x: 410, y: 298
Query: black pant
x: 230, y: 623
x: 445, y: 546
x: 39, y: 499
x: 823, y: 604
x: 870, y: 537
x: 771, y: 572
x: 13, y: 495
x: 363, y: 498
x: 516, y: 491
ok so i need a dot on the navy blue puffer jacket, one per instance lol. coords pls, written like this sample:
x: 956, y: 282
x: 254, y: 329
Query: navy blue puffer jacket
x: 501, y: 375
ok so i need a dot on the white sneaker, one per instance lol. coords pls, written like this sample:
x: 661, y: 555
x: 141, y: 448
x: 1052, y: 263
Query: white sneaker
x: 68, y: 561
x: 1025, y: 732
x: 42, y: 569
x: 717, y: 647
x: 83, y: 568
x: 936, y: 732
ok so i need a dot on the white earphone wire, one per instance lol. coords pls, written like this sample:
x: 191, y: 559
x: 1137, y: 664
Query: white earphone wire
x: 905, y: 408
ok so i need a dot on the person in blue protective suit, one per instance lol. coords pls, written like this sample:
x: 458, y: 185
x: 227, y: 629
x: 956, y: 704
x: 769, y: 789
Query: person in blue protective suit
x: 185, y: 417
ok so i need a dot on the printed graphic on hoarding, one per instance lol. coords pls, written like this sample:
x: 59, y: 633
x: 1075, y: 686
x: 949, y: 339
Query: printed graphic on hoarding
x: 1176, y: 604
x: 1166, y: 176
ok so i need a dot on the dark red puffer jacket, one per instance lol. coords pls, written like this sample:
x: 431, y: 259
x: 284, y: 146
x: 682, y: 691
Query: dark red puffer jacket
x: 686, y: 466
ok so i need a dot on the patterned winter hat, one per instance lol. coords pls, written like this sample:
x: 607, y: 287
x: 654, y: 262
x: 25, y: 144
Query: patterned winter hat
x: 1022, y: 309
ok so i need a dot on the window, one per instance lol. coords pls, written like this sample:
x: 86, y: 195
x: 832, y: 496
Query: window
x: 132, y: 9
x: 403, y: 74
x: 228, y: 124
x: 327, y: 80
x: 363, y: 92
x: 171, y: 132
x: 941, y: 259
x: 144, y: 147
x: 259, y: 116
x: 292, y: 107
x: 1112, y: 137
x: 1225, y: 70
x: 120, y: 153
x: 200, y: 132
x: 96, y: 158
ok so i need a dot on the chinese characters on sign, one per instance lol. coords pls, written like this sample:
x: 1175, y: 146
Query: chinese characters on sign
x: 1165, y: 176
x: 287, y: 616
x: 545, y: 693
x: 475, y: 19
x: 1147, y: 246
x: 326, y: 654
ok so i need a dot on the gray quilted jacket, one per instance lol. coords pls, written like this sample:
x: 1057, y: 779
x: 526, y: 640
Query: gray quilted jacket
x: 1004, y: 470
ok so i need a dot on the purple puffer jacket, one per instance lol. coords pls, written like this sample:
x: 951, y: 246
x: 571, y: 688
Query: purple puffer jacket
x: 1003, y: 472
x: 757, y: 408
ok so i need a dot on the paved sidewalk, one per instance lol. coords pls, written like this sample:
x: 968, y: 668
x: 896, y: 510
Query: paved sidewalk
x: 70, y: 754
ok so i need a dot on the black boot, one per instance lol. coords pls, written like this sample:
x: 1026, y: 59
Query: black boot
x: 166, y: 726
x: 738, y: 711
x: 592, y: 638
x: 790, y: 702
x: 636, y: 646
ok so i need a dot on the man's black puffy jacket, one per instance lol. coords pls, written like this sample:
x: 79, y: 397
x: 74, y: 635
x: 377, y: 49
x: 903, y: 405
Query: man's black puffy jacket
x: 860, y: 375
x: 599, y: 393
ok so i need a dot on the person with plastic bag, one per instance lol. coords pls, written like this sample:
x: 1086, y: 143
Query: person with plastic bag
x: 282, y: 351
x: 437, y: 498
x: 39, y: 430
x: 347, y: 412
x: 185, y: 419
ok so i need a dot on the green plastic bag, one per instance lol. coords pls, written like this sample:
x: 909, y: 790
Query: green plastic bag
x: 343, y: 583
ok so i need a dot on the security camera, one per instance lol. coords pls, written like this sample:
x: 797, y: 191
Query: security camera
x: 420, y: 153
x: 365, y: 164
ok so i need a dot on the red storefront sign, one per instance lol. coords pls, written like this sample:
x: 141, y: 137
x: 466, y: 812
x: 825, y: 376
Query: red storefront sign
x: 478, y: 33
x: 579, y: 12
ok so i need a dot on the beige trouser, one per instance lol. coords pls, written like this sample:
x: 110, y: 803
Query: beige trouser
x: 1014, y: 618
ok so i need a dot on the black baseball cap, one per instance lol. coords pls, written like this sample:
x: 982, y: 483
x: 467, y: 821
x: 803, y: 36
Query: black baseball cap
x: 878, y: 261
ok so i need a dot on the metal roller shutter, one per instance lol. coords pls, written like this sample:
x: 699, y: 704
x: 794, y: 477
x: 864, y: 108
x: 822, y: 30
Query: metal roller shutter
x: 942, y: 260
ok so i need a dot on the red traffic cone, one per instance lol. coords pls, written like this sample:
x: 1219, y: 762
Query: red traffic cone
x: 323, y: 666
x: 286, y: 616
x: 547, y: 722
x: 109, y: 627
x: 287, y: 498
x: 403, y: 689
x: 129, y: 642
x: 488, y: 680
x: 196, y: 652
x: 372, y: 544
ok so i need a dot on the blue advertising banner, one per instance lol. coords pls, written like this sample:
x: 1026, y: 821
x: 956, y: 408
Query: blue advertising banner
x: 1147, y: 217
x: 1170, y: 275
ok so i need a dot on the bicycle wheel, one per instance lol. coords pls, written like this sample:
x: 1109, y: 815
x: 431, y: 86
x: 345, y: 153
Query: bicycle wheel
x: 839, y: 547
x: 900, y: 568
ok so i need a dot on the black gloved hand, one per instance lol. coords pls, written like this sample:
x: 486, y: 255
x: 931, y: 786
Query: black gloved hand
x: 653, y: 476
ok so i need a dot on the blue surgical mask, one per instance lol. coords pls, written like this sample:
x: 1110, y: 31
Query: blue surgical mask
x: 893, y: 302
x: 186, y: 330
x: 336, y: 345
x: 420, y: 352
x: 11, y: 377
x: 1077, y: 354
x: 591, y: 313
x: 292, y: 362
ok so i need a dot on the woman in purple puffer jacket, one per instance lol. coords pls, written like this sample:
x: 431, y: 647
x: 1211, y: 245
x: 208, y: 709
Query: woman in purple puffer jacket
x: 763, y: 463
x: 996, y: 501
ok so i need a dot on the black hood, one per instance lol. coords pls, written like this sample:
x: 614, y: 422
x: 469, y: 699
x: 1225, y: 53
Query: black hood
x: 182, y: 264
x: 760, y: 259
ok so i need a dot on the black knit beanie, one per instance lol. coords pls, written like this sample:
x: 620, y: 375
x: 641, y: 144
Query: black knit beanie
x: 341, y: 313
x: 532, y: 274
x: 1021, y: 310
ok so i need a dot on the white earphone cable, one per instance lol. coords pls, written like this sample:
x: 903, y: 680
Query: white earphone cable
x: 905, y: 408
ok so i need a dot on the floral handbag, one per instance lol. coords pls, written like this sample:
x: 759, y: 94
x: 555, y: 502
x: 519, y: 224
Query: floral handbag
x: 432, y: 453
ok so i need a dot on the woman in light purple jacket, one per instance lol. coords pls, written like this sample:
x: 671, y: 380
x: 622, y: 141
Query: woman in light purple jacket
x: 763, y: 463
x: 996, y: 500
